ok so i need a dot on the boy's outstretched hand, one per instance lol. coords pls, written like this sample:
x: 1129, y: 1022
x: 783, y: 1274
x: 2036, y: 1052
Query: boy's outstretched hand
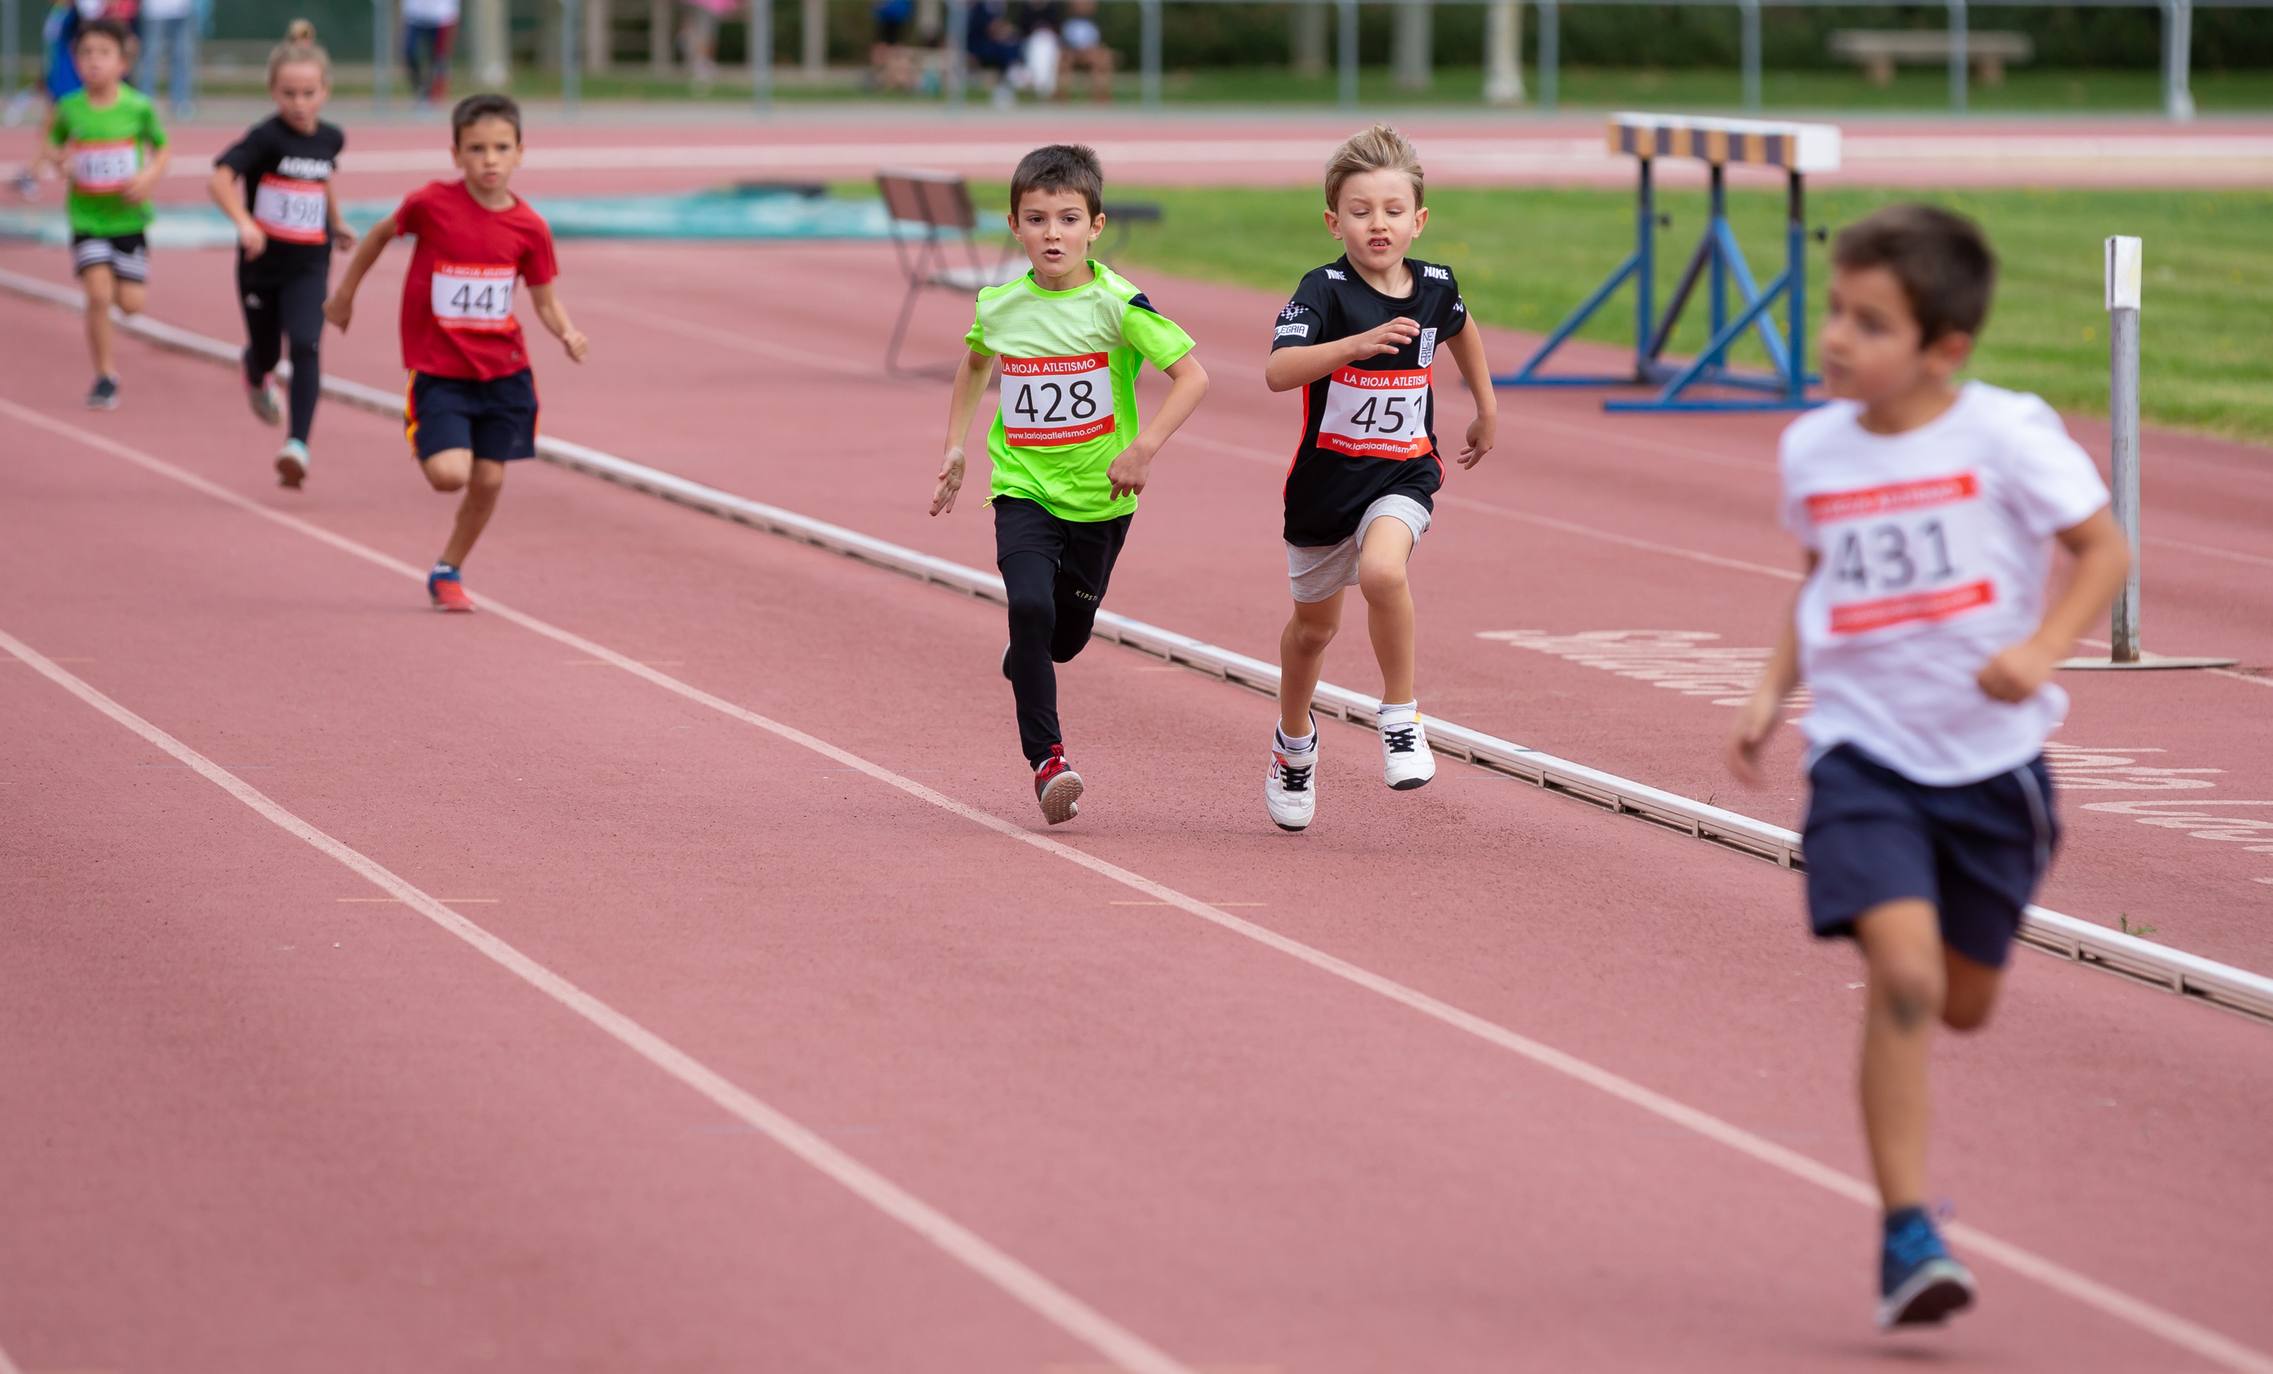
x: 576, y: 344
x: 950, y: 482
x: 1755, y: 721
x: 1482, y: 431
x: 2017, y: 673
x: 1130, y: 470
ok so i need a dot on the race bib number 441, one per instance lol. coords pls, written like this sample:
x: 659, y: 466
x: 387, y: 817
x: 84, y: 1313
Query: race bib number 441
x: 290, y: 210
x: 1054, y: 402
x: 1376, y: 414
x: 469, y: 296
x: 1902, y: 554
x: 105, y: 167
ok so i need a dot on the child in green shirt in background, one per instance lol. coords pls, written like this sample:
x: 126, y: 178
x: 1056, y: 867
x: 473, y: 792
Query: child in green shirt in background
x: 1067, y: 453
x: 106, y: 138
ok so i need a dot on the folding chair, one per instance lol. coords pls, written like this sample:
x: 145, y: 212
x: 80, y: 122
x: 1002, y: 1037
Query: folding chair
x: 930, y: 212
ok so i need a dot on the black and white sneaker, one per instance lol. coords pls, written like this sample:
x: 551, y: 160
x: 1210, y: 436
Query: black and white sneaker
x: 1406, y: 762
x: 104, y: 394
x: 1290, y: 790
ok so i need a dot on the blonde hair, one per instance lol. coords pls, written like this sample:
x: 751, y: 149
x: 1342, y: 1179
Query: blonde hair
x: 1378, y: 149
x: 299, y: 45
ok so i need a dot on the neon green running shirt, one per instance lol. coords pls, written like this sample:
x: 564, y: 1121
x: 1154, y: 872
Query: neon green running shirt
x: 1069, y: 367
x: 109, y: 145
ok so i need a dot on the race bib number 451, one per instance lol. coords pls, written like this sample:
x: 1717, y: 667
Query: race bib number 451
x: 468, y: 296
x: 105, y: 167
x: 1902, y: 554
x: 290, y: 210
x: 1053, y: 402
x: 1376, y: 414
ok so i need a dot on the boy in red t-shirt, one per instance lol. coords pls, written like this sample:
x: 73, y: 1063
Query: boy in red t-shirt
x: 472, y: 403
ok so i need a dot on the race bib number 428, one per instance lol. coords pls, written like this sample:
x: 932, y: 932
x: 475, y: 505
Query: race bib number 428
x: 468, y: 296
x: 1376, y: 414
x: 290, y: 210
x: 1054, y: 402
x: 1902, y: 554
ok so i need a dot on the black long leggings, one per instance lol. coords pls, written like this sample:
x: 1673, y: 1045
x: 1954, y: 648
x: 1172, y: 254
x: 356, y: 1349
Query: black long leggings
x: 1054, y: 573
x: 280, y: 309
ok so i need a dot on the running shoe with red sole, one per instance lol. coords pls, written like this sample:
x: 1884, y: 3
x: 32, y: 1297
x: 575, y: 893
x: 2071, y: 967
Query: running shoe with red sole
x: 448, y: 592
x: 1057, y: 787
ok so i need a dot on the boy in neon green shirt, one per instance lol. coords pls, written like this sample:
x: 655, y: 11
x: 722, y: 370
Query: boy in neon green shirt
x: 1068, y: 456
x: 107, y: 139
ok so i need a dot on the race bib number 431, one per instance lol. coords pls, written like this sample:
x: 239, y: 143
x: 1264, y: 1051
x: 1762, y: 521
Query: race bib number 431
x: 1053, y: 402
x: 290, y: 210
x: 105, y: 167
x: 1902, y: 554
x: 1376, y: 414
x: 467, y: 296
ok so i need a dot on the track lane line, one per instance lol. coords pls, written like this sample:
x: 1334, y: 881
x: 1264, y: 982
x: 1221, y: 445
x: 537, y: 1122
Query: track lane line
x: 2109, y: 1301
x: 1044, y: 1298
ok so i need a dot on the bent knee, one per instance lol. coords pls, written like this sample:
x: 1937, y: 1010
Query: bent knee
x: 1379, y: 580
x: 1966, y: 1016
x: 1037, y: 615
x: 1311, y: 638
x: 1911, y: 993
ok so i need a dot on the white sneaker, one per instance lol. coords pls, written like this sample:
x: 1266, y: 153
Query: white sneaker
x: 267, y: 401
x: 1406, y: 762
x: 1290, y: 790
x: 292, y: 464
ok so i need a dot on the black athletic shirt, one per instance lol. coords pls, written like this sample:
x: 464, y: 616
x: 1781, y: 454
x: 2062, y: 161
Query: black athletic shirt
x: 287, y: 175
x: 1368, y: 429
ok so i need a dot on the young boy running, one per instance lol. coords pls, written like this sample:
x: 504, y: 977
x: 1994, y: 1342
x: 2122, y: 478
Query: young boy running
x: 1068, y: 455
x: 472, y: 403
x: 107, y: 136
x: 1360, y: 337
x: 1926, y: 510
x: 275, y: 183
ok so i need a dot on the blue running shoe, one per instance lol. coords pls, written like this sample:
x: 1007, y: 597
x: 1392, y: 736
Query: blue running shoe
x: 1918, y: 1282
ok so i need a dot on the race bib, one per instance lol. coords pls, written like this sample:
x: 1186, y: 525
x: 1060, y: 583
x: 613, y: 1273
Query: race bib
x: 1376, y: 414
x: 1053, y: 402
x: 1902, y: 554
x: 291, y: 210
x: 105, y: 167
x: 472, y: 297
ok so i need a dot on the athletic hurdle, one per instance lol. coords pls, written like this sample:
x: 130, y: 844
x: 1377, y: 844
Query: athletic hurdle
x: 1796, y: 150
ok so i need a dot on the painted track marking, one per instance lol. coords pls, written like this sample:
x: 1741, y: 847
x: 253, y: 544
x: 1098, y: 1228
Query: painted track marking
x: 1056, y: 1306
x: 2088, y: 1292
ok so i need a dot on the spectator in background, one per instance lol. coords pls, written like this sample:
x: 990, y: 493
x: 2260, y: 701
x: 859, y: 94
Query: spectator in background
x: 891, y: 66
x: 698, y: 40
x: 169, y: 40
x: 993, y: 43
x: 1038, y: 24
x: 1085, y: 50
x: 430, y: 29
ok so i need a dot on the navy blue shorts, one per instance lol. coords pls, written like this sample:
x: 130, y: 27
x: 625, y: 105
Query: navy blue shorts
x: 497, y: 419
x: 1976, y: 852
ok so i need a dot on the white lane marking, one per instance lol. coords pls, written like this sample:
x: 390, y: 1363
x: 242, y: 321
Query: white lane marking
x: 1056, y: 1306
x: 2112, y: 1302
x: 8, y: 1366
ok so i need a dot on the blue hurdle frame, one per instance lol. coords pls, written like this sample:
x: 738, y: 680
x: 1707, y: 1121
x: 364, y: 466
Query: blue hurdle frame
x: 1718, y: 259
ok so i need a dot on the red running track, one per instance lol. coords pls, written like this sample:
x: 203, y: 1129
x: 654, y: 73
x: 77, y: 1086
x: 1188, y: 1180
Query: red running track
x: 279, y: 1124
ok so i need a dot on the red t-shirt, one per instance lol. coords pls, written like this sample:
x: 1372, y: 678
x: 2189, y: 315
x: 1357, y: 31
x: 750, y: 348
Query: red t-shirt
x: 457, y: 318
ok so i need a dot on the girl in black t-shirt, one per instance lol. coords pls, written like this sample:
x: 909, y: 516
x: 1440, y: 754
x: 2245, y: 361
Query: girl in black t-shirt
x: 276, y: 184
x: 1359, y: 339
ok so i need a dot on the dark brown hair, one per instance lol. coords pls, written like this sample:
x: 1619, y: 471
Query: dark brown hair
x: 112, y: 29
x: 1940, y: 257
x: 475, y: 108
x: 1060, y: 167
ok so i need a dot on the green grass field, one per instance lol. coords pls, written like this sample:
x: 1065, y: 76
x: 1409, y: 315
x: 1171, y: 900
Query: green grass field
x: 1525, y: 258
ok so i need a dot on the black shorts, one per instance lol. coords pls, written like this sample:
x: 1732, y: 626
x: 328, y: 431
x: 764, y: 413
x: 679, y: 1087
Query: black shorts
x: 126, y: 255
x: 1976, y: 852
x: 497, y: 419
x: 890, y: 30
x: 1084, y: 551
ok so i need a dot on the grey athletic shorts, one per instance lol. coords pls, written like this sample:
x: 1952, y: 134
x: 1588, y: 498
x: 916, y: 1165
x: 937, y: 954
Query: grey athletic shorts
x: 1319, y: 571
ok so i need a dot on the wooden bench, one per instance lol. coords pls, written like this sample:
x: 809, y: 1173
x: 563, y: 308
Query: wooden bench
x: 1878, y: 50
x: 935, y: 233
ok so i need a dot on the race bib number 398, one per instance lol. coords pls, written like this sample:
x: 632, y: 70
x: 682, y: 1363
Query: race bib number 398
x: 1902, y: 554
x: 1376, y: 414
x: 469, y: 296
x: 1054, y: 402
x: 105, y: 167
x: 290, y: 210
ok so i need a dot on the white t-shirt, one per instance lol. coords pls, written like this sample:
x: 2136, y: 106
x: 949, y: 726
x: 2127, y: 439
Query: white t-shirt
x: 166, y: 9
x: 1933, y: 547
x: 435, y: 12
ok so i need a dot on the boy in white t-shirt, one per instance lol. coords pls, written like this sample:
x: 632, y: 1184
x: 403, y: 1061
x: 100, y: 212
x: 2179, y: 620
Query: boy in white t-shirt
x: 1927, y: 511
